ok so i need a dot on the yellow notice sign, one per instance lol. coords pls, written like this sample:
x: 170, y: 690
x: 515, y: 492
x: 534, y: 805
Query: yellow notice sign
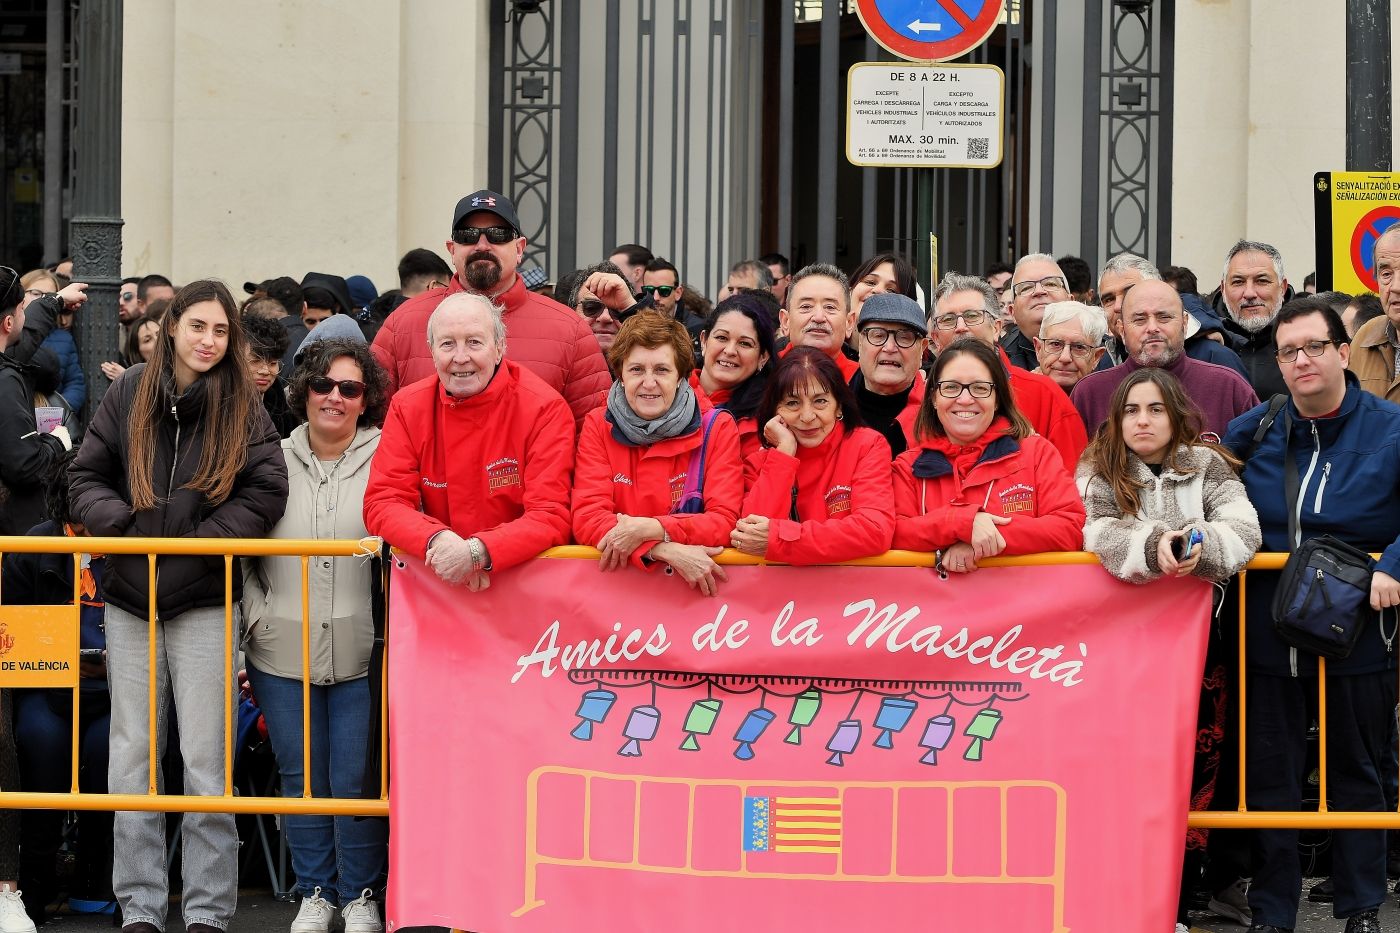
x: 1351, y: 210
x: 38, y: 646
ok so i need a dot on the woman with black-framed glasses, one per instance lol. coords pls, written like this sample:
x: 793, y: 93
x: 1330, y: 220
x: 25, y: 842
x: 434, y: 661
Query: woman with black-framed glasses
x: 342, y: 393
x: 981, y: 482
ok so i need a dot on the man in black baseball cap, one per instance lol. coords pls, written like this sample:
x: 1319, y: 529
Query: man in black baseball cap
x: 487, y: 246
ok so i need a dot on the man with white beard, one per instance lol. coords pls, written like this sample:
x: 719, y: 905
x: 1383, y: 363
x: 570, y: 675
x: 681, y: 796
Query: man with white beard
x: 1253, y: 289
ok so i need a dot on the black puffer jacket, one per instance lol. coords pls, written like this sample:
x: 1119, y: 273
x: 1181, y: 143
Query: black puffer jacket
x: 27, y: 457
x: 102, y: 502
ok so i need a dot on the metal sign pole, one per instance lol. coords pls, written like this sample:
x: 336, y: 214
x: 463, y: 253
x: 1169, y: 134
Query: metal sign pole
x: 1368, y: 86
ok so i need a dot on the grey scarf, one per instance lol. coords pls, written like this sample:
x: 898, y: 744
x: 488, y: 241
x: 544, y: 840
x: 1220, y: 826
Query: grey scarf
x: 681, y: 418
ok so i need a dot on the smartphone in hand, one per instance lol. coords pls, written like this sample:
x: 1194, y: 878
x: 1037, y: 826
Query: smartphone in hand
x: 1186, y: 542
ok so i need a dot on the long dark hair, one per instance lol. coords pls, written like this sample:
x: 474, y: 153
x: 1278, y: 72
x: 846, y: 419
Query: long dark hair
x: 903, y: 272
x: 131, y: 355
x: 230, y: 404
x: 927, y: 425
x: 798, y: 369
x: 1109, y: 455
x: 747, y: 395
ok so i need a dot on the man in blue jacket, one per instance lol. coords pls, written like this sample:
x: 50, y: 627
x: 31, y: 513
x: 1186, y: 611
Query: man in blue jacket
x: 1346, y: 444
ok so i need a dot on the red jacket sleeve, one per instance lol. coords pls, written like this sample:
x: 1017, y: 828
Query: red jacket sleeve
x: 548, y: 465
x: 587, y: 381
x: 865, y: 531
x: 1058, y: 523
x: 1067, y: 432
x: 724, y: 492
x: 769, y: 476
x: 941, y: 526
x: 383, y: 350
x: 392, y: 500
x: 594, y: 509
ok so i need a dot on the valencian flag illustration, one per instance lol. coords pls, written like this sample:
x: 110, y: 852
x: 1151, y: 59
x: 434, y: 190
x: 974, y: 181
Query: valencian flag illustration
x: 812, y: 749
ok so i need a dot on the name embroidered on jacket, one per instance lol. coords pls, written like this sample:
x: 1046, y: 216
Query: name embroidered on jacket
x: 622, y: 478
x: 677, y: 484
x: 1017, y: 498
x: 838, y: 500
x: 501, y: 473
x: 432, y: 485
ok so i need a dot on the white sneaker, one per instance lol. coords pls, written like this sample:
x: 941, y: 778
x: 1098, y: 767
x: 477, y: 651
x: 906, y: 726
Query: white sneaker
x: 1182, y: 928
x: 314, y: 915
x: 13, y: 919
x: 361, y: 915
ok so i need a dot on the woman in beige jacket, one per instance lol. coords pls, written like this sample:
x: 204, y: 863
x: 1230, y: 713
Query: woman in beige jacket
x: 342, y: 393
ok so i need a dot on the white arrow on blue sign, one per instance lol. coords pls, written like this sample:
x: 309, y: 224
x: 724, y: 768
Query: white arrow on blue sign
x: 924, y: 20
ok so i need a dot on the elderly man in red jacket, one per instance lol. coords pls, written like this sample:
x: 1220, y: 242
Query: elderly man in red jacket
x: 473, y: 468
x: 549, y: 339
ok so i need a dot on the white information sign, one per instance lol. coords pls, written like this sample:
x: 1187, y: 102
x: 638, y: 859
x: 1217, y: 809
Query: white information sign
x: 937, y: 116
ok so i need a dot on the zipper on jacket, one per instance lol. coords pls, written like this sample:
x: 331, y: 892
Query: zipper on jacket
x: 1302, y: 489
x: 169, y: 491
x: 1317, y: 500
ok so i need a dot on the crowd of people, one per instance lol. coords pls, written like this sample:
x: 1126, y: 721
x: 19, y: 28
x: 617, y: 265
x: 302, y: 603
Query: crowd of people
x: 479, y: 415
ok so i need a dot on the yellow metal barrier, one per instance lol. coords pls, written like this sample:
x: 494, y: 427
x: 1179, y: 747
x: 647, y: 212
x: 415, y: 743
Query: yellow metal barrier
x: 228, y: 802
x: 305, y: 549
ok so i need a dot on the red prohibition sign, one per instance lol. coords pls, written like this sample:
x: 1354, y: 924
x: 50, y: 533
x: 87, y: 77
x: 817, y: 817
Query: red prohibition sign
x: 929, y: 30
x: 1363, y: 241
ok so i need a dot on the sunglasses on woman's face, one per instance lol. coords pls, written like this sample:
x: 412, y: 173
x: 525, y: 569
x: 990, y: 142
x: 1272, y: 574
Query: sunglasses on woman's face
x: 349, y: 388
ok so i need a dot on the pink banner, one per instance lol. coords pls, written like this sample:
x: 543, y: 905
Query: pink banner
x: 815, y: 749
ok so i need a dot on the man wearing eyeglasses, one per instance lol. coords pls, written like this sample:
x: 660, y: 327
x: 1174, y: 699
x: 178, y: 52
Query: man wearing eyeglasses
x: 1037, y: 281
x: 1346, y: 445
x: 888, y: 389
x: 1154, y: 333
x: 966, y: 306
x: 1070, y: 343
x: 486, y: 247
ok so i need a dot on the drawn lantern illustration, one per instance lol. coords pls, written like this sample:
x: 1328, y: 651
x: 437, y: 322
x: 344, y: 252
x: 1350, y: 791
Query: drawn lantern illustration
x: 805, y: 707
x: 700, y: 721
x: 937, y: 734
x: 593, y: 708
x: 983, y: 727
x: 641, y: 727
x: 750, y: 729
x: 843, y: 741
x: 893, y: 716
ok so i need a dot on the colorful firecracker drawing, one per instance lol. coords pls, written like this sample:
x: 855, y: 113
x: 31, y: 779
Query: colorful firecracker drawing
x: 593, y: 708
x: 700, y: 721
x: 750, y: 729
x: 805, y: 707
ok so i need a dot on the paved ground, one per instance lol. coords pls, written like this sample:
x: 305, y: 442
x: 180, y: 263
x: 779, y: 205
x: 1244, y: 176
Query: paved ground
x: 260, y: 912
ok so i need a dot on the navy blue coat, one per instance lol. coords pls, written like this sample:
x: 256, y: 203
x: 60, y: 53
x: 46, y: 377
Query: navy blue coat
x: 1349, y: 487
x: 72, y: 384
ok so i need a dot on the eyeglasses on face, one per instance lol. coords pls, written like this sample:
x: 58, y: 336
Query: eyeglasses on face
x: 950, y: 389
x: 468, y: 236
x: 878, y: 336
x: 1312, y: 348
x: 1051, y: 283
x: 950, y: 321
x: 591, y: 307
x: 663, y: 290
x: 349, y: 388
x: 258, y: 364
x: 1055, y: 347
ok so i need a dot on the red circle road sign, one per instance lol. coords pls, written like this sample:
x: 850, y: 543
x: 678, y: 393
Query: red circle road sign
x: 929, y: 30
x: 1363, y: 241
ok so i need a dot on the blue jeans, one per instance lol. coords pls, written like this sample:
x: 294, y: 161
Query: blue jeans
x: 341, y: 855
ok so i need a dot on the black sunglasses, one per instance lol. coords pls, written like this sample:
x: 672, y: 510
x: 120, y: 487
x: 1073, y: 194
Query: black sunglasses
x: 663, y: 290
x: 467, y: 236
x: 349, y: 388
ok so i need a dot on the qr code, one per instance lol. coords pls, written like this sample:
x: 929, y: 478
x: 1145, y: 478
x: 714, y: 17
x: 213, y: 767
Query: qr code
x: 979, y: 147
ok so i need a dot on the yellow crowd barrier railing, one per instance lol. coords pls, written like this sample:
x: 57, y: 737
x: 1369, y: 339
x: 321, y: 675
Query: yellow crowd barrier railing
x: 228, y: 549
x: 307, y: 549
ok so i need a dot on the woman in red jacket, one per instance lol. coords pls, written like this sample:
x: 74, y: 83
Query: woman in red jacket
x: 981, y: 483
x: 739, y: 350
x: 658, y: 475
x: 819, y: 491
